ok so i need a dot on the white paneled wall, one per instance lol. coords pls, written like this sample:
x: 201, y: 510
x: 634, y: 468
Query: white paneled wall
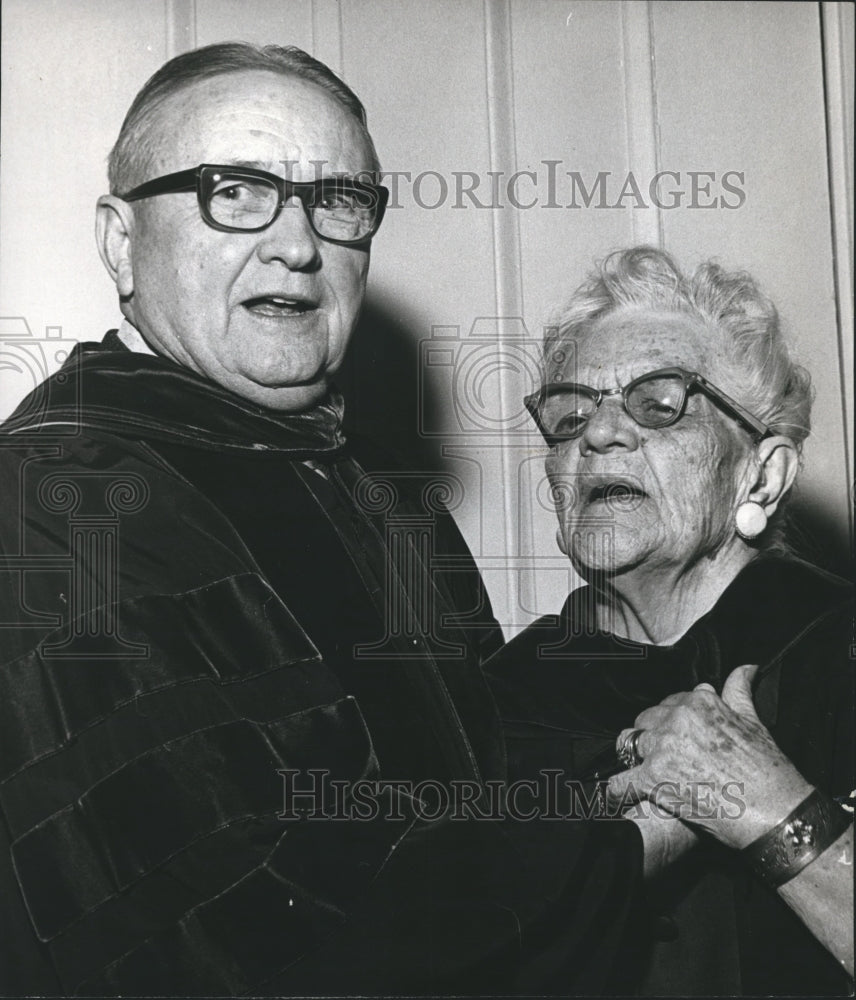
x: 461, y: 94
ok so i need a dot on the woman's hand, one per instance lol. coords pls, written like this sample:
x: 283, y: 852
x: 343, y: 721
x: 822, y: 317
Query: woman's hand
x: 710, y: 761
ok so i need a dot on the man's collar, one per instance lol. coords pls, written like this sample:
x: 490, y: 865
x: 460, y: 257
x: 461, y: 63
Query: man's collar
x: 133, y: 339
x: 140, y: 395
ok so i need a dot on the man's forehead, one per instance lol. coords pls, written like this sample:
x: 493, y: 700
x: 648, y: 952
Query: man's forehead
x: 256, y: 117
x: 249, y: 85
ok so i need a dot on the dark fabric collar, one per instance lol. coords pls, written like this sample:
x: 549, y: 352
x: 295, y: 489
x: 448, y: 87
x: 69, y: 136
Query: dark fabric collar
x: 106, y: 387
x: 767, y: 605
x: 569, y: 677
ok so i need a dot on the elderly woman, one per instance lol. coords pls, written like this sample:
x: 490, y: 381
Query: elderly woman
x: 674, y: 417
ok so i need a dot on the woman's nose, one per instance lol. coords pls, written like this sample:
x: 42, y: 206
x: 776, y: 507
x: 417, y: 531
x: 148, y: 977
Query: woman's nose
x: 609, y: 428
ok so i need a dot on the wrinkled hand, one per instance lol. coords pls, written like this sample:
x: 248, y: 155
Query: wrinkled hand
x: 711, y: 762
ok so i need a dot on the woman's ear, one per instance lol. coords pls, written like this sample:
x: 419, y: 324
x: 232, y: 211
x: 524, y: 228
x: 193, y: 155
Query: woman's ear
x: 778, y: 461
x: 114, y: 227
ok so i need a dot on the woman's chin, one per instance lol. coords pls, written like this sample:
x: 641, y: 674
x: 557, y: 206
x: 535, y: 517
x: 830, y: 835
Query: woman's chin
x: 606, y: 553
x: 607, y: 569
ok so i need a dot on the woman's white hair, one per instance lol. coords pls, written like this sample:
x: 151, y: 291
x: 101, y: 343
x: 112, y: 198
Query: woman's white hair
x: 764, y: 376
x: 760, y: 372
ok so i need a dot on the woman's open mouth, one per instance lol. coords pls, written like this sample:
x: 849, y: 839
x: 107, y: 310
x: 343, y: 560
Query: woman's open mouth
x: 618, y: 494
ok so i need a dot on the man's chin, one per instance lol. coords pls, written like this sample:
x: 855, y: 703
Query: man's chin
x: 286, y: 397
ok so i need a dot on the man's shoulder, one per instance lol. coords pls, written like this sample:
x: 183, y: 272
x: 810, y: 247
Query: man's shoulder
x: 99, y: 504
x: 45, y: 453
x: 55, y: 405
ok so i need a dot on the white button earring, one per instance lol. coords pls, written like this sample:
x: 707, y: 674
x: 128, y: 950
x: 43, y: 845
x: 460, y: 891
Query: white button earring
x: 750, y: 519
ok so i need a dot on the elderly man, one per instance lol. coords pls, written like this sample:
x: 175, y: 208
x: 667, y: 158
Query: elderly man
x: 195, y: 619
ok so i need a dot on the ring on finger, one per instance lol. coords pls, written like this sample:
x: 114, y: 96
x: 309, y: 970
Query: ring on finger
x: 628, y: 749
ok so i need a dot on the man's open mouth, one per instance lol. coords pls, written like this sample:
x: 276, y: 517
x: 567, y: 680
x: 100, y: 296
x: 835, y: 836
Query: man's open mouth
x: 278, y: 305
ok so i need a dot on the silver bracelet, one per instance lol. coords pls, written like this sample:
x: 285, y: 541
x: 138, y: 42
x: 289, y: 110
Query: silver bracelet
x: 803, y: 835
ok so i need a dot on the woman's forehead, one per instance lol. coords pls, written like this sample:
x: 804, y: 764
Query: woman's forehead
x: 624, y: 345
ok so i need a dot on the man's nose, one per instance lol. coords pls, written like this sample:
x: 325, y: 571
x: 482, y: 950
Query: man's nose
x: 290, y: 239
x: 610, y: 428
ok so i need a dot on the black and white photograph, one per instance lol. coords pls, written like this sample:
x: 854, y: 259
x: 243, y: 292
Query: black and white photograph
x: 438, y: 580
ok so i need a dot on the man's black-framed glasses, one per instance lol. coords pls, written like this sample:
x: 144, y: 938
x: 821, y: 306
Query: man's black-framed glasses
x: 658, y: 399
x: 245, y: 200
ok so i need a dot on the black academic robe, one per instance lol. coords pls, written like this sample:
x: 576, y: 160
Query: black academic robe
x: 565, y: 691
x: 202, y: 600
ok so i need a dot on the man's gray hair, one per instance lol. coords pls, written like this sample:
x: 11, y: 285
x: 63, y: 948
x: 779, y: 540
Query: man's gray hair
x: 138, y: 140
x: 761, y: 372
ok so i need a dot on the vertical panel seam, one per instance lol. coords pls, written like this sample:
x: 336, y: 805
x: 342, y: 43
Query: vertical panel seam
x: 339, y: 67
x: 313, y: 24
x: 508, y: 292
x: 180, y: 26
x: 341, y: 39
x: 839, y: 214
x: 655, y: 116
x: 640, y: 103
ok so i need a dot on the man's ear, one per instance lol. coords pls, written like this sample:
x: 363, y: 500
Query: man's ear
x: 114, y: 226
x: 778, y: 462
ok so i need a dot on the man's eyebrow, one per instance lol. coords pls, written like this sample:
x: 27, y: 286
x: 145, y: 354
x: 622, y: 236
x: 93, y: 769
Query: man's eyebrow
x: 342, y: 175
x: 249, y: 165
